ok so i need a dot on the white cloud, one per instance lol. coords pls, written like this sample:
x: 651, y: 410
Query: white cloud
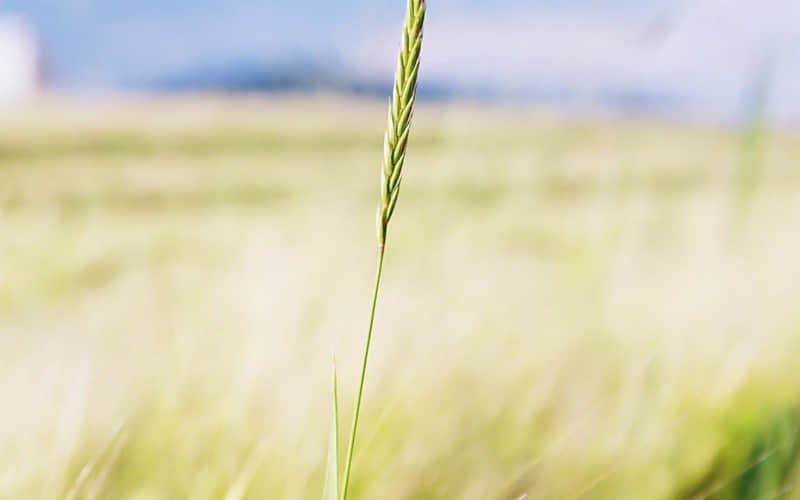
x: 19, y: 78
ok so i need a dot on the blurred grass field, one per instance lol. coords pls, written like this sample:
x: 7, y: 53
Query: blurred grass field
x: 572, y: 309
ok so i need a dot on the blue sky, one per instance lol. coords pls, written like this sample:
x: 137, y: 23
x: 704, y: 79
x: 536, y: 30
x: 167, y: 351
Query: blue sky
x: 106, y: 42
x: 707, y: 52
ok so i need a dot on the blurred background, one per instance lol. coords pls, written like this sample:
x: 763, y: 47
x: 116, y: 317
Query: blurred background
x: 591, y: 290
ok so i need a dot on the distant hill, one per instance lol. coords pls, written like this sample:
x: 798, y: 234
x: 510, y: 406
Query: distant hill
x: 308, y: 75
x: 301, y: 75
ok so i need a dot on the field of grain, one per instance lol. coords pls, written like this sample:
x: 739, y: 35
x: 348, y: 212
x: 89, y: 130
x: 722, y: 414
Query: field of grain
x: 571, y: 308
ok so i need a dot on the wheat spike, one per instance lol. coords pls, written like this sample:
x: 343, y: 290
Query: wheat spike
x: 399, y: 124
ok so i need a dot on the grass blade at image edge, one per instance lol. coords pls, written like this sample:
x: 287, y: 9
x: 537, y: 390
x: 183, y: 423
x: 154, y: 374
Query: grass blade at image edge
x: 331, y: 488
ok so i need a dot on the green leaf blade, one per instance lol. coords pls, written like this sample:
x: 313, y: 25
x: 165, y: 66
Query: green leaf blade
x: 331, y: 489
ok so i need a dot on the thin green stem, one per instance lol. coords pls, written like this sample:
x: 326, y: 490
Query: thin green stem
x: 352, y: 443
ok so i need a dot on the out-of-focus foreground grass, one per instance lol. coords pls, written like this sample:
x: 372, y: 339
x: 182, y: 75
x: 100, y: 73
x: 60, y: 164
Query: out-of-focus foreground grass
x: 570, y: 309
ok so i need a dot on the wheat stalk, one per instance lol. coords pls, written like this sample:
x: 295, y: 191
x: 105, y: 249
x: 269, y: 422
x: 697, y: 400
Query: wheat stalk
x: 394, y: 155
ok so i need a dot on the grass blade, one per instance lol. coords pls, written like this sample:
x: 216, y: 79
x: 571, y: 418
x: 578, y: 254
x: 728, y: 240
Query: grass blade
x: 331, y: 489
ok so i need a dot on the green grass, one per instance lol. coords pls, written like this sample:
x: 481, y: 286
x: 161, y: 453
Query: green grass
x: 563, y: 315
x: 395, y: 143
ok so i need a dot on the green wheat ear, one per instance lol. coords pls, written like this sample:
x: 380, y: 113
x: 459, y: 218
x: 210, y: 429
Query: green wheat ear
x: 394, y: 155
x: 403, y: 95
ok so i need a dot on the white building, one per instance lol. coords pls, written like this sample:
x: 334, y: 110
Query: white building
x: 20, y: 78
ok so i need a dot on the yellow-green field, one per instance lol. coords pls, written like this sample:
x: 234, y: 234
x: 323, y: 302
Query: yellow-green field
x: 570, y: 309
